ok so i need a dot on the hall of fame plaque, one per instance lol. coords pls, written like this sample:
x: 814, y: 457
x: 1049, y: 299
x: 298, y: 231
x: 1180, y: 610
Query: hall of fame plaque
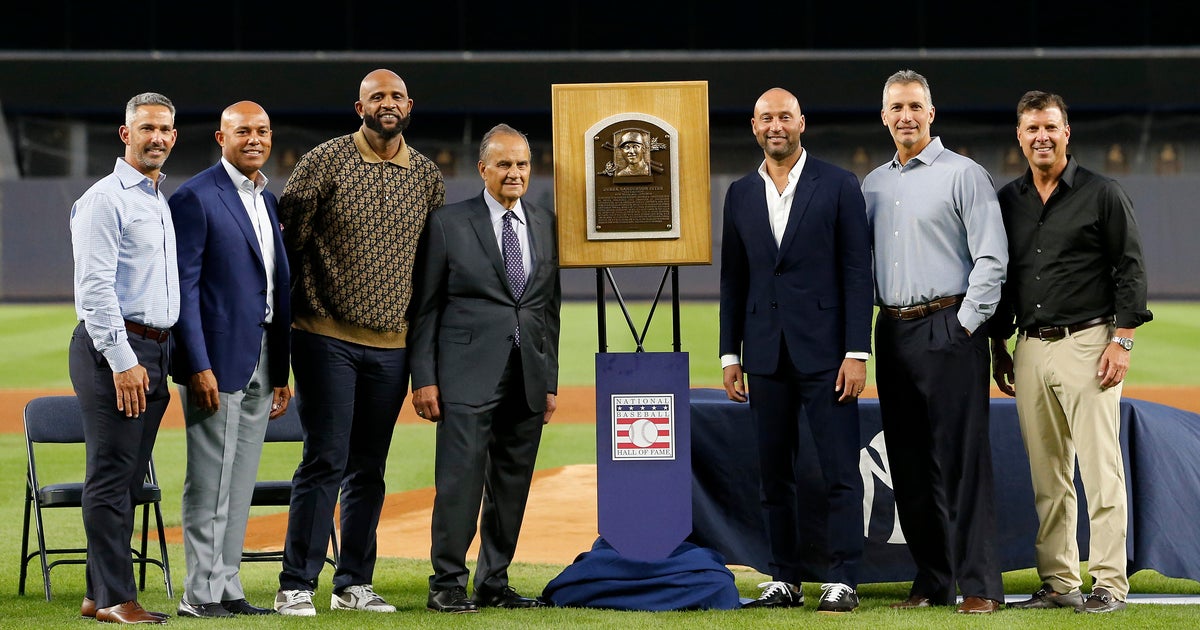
x: 633, y: 178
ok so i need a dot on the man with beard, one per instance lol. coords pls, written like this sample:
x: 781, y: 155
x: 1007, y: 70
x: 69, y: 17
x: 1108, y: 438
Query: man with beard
x: 352, y: 213
x: 796, y: 316
x: 126, y: 299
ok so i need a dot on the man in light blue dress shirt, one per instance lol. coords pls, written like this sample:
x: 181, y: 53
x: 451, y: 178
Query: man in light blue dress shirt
x: 126, y: 299
x: 940, y: 258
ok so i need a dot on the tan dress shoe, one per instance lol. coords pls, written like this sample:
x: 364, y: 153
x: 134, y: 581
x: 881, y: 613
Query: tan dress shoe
x: 129, y: 612
x: 978, y: 606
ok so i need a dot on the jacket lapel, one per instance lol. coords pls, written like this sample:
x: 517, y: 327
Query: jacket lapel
x: 233, y: 203
x: 481, y: 222
x: 805, y: 187
x: 759, y: 221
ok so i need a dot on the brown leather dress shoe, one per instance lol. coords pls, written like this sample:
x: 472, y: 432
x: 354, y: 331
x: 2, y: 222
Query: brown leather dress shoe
x: 88, y: 609
x: 129, y: 612
x: 913, y: 601
x: 978, y: 606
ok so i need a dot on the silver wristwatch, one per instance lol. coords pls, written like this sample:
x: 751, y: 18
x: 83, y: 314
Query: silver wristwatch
x: 1124, y: 342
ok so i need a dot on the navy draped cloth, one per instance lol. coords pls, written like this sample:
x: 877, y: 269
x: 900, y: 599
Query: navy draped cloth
x: 691, y: 578
x: 1161, y: 447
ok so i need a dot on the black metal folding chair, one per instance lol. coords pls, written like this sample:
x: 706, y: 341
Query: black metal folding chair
x: 59, y: 420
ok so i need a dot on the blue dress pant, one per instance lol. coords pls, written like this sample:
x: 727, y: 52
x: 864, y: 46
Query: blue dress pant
x: 349, y: 398
x: 118, y: 453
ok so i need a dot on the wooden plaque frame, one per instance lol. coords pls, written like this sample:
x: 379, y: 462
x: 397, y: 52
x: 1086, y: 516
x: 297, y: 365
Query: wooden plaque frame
x: 576, y: 108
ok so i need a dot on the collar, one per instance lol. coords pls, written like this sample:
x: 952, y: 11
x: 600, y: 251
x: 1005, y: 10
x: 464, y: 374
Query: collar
x: 496, y: 211
x: 259, y: 183
x: 926, y: 156
x: 131, y: 177
x: 793, y: 174
x: 1066, y: 178
x: 368, y: 154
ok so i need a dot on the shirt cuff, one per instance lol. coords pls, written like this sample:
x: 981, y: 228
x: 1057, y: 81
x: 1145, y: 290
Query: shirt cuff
x: 861, y: 356
x: 121, y: 357
x: 970, y: 318
x: 729, y: 359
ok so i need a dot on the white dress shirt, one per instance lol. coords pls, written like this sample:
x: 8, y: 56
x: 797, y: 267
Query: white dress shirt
x: 251, y: 194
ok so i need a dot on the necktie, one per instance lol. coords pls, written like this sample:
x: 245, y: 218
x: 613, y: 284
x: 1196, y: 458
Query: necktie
x: 513, y: 264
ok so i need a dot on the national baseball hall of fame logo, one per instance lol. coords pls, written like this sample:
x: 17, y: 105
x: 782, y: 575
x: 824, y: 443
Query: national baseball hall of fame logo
x: 643, y: 427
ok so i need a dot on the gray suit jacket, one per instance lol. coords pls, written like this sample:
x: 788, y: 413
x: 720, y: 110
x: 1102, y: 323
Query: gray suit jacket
x: 464, y: 313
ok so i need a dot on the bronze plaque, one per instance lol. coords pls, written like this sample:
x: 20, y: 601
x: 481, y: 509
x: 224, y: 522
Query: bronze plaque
x: 632, y: 165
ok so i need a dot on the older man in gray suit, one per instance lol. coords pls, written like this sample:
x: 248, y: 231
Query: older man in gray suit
x: 484, y: 357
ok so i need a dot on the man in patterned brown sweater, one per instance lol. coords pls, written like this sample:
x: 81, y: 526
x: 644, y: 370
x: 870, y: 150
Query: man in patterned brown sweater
x: 352, y: 212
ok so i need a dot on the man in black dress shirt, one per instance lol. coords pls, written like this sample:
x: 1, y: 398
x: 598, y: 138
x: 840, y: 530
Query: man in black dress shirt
x: 1076, y: 290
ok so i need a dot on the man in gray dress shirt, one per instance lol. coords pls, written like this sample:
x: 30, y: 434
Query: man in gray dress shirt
x: 940, y: 258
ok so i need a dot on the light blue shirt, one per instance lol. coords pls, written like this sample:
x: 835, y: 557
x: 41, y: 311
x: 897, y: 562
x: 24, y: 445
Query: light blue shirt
x: 937, y: 233
x: 123, y: 243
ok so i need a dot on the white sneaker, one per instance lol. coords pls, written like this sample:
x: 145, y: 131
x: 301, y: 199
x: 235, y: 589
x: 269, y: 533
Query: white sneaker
x: 295, y: 603
x: 360, y: 597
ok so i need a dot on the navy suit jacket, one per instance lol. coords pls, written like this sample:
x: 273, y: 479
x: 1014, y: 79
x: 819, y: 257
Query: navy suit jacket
x: 223, y: 284
x: 464, y: 312
x: 814, y: 289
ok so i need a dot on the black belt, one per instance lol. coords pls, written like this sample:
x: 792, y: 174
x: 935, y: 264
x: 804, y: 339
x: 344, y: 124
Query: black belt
x: 1054, y: 333
x: 917, y: 311
x: 143, y: 330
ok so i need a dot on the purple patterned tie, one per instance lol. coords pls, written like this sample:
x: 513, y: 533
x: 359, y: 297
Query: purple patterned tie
x: 513, y: 264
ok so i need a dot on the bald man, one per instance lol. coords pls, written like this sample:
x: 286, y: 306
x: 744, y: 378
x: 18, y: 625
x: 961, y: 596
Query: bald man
x: 352, y: 211
x: 796, y: 301
x: 231, y: 352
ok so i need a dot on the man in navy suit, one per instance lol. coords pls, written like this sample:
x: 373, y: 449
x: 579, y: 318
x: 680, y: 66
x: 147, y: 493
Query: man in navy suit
x: 796, y: 302
x: 231, y: 354
x: 484, y: 348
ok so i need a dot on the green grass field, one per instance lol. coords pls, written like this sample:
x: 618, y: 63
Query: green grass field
x: 34, y: 340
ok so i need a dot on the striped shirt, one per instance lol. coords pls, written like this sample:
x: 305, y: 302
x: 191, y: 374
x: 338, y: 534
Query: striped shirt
x: 123, y: 243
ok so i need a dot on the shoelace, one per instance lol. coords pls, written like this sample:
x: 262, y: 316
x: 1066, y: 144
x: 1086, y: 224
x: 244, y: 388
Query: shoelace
x: 365, y: 592
x: 298, y: 597
x: 771, y: 588
x: 834, y: 592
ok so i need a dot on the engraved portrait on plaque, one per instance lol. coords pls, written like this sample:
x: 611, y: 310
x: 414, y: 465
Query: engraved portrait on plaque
x: 634, y: 194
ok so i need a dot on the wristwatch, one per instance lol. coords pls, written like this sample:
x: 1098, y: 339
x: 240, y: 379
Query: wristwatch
x: 1124, y: 342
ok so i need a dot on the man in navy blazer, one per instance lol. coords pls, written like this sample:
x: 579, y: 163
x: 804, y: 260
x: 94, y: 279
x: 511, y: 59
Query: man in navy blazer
x: 231, y: 353
x: 484, y: 358
x: 796, y: 302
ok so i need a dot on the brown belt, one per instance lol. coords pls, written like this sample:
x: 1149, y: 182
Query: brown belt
x: 1054, y: 333
x: 142, y: 330
x: 917, y: 311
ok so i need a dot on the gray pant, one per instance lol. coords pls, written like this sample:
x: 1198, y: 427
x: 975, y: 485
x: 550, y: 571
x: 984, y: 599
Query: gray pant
x: 223, y: 450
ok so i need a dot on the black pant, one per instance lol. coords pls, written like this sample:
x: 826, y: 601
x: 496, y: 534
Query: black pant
x: 778, y: 402
x: 487, y: 454
x: 933, y: 399
x: 118, y: 452
x: 350, y: 396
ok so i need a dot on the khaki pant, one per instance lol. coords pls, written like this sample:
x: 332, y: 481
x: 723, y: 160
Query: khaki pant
x: 1065, y: 414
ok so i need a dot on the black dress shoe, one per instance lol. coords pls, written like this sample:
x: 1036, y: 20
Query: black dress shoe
x: 243, y: 607
x: 202, y: 611
x: 451, y: 600
x: 505, y: 598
